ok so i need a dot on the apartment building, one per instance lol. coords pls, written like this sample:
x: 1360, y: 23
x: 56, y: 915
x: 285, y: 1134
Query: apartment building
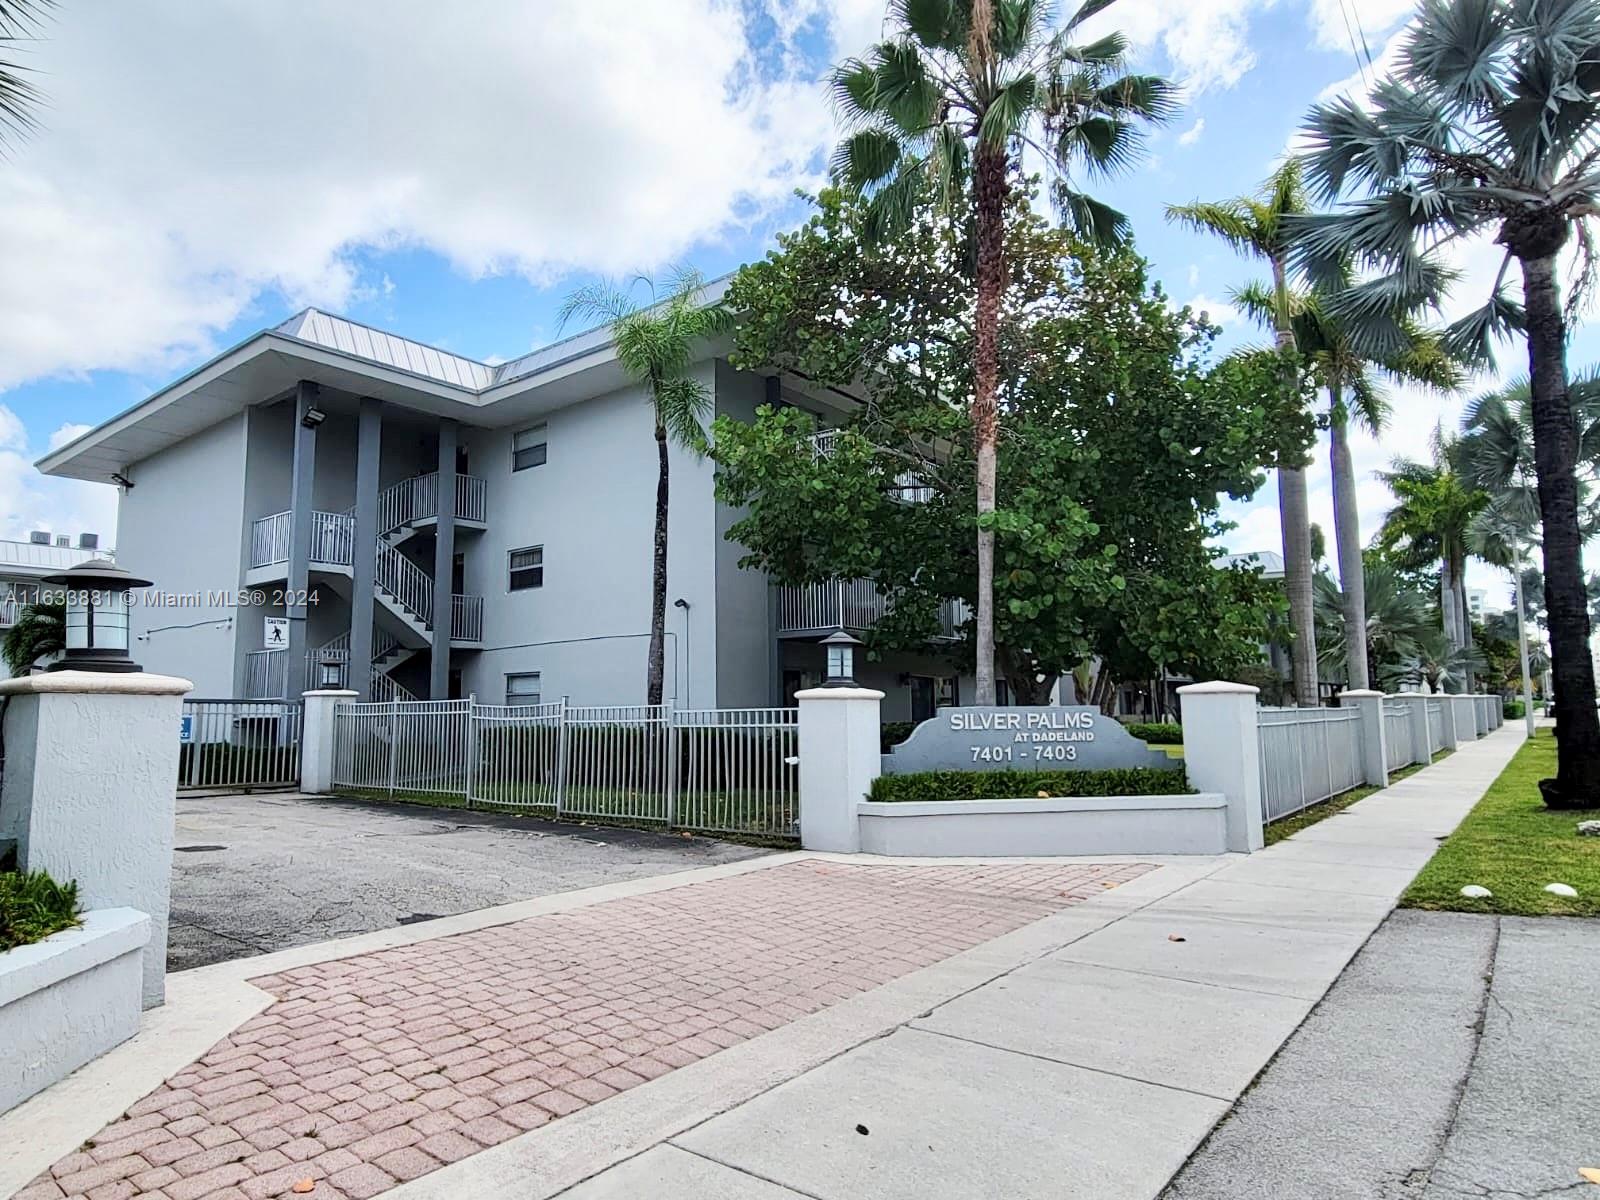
x: 24, y: 564
x: 434, y: 527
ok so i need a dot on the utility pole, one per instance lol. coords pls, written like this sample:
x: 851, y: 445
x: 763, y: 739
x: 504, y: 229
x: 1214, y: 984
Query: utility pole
x: 1522, y: 644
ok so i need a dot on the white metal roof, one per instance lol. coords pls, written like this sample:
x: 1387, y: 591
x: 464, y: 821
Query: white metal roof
x: 350, y: 357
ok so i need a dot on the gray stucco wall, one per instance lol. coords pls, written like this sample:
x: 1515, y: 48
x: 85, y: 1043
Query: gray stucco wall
x: 180, y: 526
x: 591, y: 506
x: 747, y: 651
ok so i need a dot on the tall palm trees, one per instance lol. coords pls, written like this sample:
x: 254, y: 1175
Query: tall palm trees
x: 1258, y: 226
x: 948, y: 102
x: 1490, y: 125
x: 1436, y: 507
x: 1347, y: 355
x: 19, y: 98
x: 655, y: 346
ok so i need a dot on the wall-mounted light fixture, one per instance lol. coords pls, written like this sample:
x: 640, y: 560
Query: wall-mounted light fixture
x: 121, y: 480
x: 313, y: 418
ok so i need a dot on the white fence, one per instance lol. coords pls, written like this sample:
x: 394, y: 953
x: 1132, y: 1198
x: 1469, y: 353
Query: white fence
x: 1308, y: 755
x: 245, y: 744
x: 716, y: 770
x: 1397, y: 740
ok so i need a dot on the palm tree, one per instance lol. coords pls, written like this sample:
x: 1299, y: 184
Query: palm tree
x: 1397, y: 619
x: 1497, y: 535
x: 1490, y: 125
x: 1436, y: 506
x: 20, y: 21
x: 1258, y: 226
x: 40, y: 630
x: 948, y: 103
x: 655, y: 345
x: 1440, y: 664
x: 1349, y: 362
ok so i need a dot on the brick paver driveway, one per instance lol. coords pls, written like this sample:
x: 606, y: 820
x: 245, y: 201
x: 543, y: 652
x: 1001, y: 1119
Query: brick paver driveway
x: 373, y: 1070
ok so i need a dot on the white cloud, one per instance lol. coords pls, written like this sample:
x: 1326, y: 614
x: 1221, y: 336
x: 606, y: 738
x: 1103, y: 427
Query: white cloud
x: 254, y: 150
x: 30, y: 501
x: 1220, y: 311
x: 1192, y: 134
x: 1207, y: 41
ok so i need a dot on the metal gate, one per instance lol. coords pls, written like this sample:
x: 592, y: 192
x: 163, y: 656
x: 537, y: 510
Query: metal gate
x: 241, y: 744
x: 716, y: 770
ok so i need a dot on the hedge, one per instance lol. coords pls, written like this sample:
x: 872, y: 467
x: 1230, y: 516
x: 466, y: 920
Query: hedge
x: 1512, y: 710
x: 892, y: 733
x: 1157, y: 734
x: 936, y: 786
x: 33, y: 906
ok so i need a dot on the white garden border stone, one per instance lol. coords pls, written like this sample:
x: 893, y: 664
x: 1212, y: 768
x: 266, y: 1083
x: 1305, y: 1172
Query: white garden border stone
x: 1063, y: 825
x: 68, y: 999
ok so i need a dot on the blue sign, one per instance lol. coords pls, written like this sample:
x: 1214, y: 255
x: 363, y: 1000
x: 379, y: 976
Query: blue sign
x: 186, y: 729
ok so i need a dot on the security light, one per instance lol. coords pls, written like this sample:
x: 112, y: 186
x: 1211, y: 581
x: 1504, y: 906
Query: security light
x: 313, y: 418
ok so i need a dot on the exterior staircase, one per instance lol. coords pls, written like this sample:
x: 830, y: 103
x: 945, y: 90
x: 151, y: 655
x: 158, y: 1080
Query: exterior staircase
x: 403, y: 589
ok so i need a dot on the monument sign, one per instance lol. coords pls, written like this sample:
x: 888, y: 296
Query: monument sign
x: 1047, y: 738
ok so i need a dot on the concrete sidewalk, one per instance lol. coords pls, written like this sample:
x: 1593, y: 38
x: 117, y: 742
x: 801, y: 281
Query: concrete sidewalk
x: 1091, y: 1067
x: 938, y: 1029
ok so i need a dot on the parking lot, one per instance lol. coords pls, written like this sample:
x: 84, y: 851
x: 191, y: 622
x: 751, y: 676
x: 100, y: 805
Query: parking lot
x: 255, y: 873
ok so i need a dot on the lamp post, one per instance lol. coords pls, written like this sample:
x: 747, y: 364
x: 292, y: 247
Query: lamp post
x: 96, y: 595
x: 841, y: 659
x: 1522, y: 642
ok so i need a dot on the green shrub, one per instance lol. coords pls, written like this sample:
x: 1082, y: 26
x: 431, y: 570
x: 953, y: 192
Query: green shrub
x: 1165, y: 733
x: 937, y: 786
x: 892, y: 733
x: 1513, y: 710
x: 33, y: 906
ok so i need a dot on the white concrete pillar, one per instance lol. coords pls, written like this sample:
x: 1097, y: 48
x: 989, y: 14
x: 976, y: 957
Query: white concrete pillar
x: 316, y: 738
x: 1447, y: 713
x: 1374, y: 742
x: 1466, y: 710
x: 1222, y: 753
x: 1417, y: 705
x: 90, y: 784
x: 840, y: 756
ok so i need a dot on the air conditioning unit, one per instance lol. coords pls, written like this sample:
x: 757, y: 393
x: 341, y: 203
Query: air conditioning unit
x: 88, y: 541
x: 39, y: 537
x: 63, y: 540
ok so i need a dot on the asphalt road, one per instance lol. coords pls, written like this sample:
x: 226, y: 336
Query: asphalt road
x: 1453, y: 1060
x: 263, y: 872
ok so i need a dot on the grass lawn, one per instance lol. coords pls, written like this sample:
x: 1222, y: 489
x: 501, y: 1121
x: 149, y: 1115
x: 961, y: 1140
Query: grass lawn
x: 1513, y: 845
x: 1278, y: 830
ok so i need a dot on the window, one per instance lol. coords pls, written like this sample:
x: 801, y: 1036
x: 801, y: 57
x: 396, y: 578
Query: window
x: 527, y: 568
x: 523, y: 689
x: 528, y: 448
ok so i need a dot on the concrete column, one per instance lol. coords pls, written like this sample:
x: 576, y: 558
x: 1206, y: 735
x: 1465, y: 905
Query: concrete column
x: 1447, y: 712
x: 1374, y: 745
x: 316, y: 738
x: 1417, y: 704
x: 444, y: 554
x: 300, y: 505
x: 1222, y: 753
x: 1466, y: 717
x: 91, y: 775
x: 840, y: 756
x: 369, y: 447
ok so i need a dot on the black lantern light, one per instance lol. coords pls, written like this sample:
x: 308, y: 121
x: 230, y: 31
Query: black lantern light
x: 96, y: 597
x: 332, y: 676
x: 841, y: 659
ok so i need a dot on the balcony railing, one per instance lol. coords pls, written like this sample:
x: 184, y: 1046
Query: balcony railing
x: 466, y: 618
x: 907, y: 488
x: 401, y: 504
x: 849, y: 604
x: 332, y: 539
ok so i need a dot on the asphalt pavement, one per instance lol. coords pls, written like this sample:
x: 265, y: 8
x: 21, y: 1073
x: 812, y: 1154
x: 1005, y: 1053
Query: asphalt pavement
x: 1453, y: 1060
x: 263, y: 872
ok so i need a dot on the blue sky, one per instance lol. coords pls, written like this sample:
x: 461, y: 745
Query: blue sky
x: 202, y: 176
